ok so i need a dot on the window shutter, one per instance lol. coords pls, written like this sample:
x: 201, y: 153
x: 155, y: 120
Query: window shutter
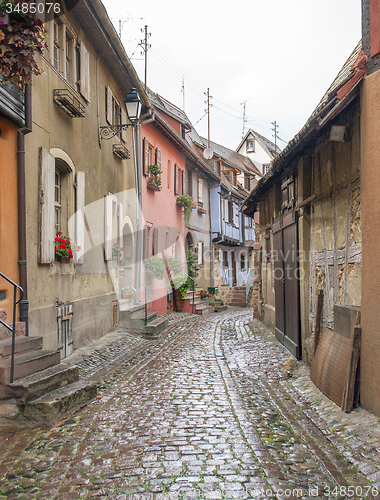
x: 109, y: 106
x: 155, y: 241
x: 124, y: 133
x: 200, y: 191
x: 146, y: 156
x: 84, y: 72
x: 158, y: 158
x: 108, y: 225
x: 182, y: 182
x: 46, y: 207
x: 80, y: 204
x: 200, y: 253
x: 145, y: 243
x: 176, y: 178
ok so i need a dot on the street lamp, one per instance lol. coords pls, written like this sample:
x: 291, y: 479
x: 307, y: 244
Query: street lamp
x: 133, y: 106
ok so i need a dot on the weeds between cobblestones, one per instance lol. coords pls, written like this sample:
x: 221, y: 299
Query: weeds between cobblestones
x: 202, y: 411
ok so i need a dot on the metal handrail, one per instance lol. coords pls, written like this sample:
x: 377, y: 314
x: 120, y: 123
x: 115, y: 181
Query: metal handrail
x: 194, y: 283
x: 145, y: 298
x: 13, y: 327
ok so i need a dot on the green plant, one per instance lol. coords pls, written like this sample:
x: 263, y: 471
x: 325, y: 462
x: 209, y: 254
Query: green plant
x: 155, y: 266
x: 63, y: 246
x: 174, y: 266
x: 24, y: 35
x: 192, y: 261
x: 185, y: 201
x: 154, y: 181
x: 155, y: 170
x: 129, y: 291
x: 204, y: 293
x: 180, y: 283
x: 117, y: 250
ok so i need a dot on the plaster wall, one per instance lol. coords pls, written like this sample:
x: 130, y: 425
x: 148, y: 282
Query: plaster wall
x: 77, y: 141
x: 8, y: 211
x: 370, y: 348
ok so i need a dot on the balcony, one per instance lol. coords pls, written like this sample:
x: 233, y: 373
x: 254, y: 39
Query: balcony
x: 66, y: 100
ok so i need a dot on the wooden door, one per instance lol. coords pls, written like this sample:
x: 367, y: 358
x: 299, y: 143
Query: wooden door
x: 286, y: 283
x: 65, y: 331
x: 233, y: 263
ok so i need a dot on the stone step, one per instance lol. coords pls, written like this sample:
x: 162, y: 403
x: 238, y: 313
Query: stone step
x: 204, y: 310
x: 22, y: 344
x: 58, y: 403
x: 156, y: 326
x: 237, y: 304
x: 219, y: 308
x: 28, y: 363
x: 35, y: 385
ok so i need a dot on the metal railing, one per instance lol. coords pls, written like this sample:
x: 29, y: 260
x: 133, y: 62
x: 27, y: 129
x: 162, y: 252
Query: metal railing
x: 13, y: 327
x: 194, y: 283
x: 145, y: 298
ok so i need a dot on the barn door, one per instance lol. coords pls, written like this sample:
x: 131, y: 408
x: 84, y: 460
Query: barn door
x: 286, y: 282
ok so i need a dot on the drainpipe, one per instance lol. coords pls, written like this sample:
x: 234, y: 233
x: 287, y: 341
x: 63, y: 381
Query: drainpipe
x: 137, y: 149
x: 212, y: 280
x: 22, y: 260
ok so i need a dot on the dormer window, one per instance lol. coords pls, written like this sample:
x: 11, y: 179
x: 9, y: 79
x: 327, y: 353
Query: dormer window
x: 250, y: 145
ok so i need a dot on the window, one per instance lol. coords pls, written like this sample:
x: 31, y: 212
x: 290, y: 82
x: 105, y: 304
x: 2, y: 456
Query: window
x: 250, y: 145
x: 68, y: 56
x: 146, y: 246
x: 217, y: 167
x: 225, y: 260
x: 158, y: 158
x: 266, y: 167
x: 155, y: 242
x: 189, y: 183
x: 56, y: 46
x: 176, y: 179
x: 57, y: 201
x: 230, y: 212
x: 146, y: 156
x: 243, y: 262
x: 200, y: 191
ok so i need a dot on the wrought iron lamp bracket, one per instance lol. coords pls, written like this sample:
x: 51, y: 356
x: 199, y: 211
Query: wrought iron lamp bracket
x: 110, y: 131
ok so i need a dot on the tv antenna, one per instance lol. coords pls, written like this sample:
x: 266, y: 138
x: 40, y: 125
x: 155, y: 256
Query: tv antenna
x: 245, y: 120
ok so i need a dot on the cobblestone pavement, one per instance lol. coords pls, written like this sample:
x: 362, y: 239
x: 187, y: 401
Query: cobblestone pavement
x: 205, y: 410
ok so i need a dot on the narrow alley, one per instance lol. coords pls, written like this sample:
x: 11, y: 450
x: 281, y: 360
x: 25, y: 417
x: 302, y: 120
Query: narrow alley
x: 205, y: 410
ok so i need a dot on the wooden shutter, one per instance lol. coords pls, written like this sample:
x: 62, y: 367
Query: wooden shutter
x: 46, y: 207
x: 176, y: 178
x: 108, y: 225
x: 146, y: 156
x: 200, y: 253
x: 155, y: 241
x: 84, y: 72
x: 145, y: 243
x: 158, y: 158
x: 200, y: 191
x: 182, y: 182
x: 109, y: 106
x: 80, y: 204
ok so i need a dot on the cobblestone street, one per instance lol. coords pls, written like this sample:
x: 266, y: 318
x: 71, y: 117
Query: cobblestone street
x: 205, y: 410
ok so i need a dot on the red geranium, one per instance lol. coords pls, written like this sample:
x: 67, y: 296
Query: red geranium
x: 63, y: 246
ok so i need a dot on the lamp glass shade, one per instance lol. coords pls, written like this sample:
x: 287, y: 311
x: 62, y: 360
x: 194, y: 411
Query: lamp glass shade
x: 133, y: 105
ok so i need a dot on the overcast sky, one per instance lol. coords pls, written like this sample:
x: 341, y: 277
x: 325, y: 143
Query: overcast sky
x: 279, y: 56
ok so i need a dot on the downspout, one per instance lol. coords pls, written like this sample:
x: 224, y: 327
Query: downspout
x: 212, y: 279
x: 137, y: 150
x: 21, y: 185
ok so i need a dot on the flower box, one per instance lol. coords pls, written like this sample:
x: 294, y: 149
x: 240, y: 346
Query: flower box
x: 153, y: 187
x: 201, y: 210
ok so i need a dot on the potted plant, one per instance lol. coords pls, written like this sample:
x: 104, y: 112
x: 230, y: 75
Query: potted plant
x: 155, y: 266
x: 117, y: 251
x: 154, y: 182
x: 204, y: 294
x: 180, y: 286
x: 187, y: 202
x: 128, y: 292
x: 63, y: 248
x: 22, y: 35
